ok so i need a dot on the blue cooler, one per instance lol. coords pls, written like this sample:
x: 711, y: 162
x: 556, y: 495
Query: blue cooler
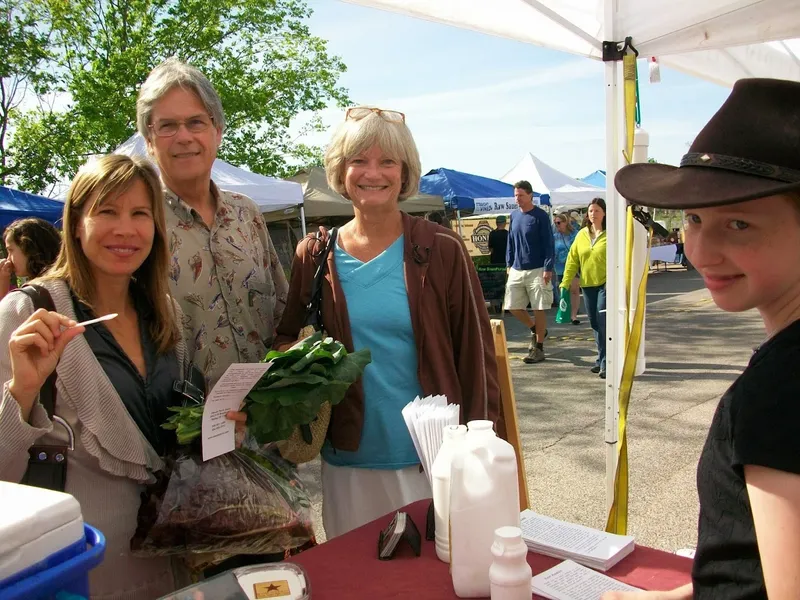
x: 46, y: 550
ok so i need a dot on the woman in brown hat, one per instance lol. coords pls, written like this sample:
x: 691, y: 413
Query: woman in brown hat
x: 739, y: 186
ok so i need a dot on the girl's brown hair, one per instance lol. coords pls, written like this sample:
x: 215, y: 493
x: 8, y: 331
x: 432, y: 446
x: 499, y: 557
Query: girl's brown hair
x: 602, y: 204
x: 38, y: 240
x: 97, y: 182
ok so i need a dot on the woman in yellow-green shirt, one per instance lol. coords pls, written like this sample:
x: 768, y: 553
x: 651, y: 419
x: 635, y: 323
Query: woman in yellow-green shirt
x: 588, y: 255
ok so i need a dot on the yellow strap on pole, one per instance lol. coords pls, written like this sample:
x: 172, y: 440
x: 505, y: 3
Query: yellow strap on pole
x: 629, y: 80
x: 618, y: 515
x: 629, y: 239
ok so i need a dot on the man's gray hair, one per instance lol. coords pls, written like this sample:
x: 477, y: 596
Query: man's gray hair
x: 170, y: 74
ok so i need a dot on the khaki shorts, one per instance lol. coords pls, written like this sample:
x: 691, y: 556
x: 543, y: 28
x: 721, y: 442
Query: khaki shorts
x: 523, y: 287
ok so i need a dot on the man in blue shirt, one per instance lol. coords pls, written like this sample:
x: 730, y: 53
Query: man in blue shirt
x: 529, y: 258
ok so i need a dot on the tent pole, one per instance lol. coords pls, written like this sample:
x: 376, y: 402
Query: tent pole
x: 615, y: 220
x: 303, y: 220
x: 458, y: 217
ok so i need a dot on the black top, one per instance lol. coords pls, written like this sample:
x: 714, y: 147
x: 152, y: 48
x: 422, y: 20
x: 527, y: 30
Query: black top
x: 498, y: 242
x: 756, y: 423
x: 145, y: 398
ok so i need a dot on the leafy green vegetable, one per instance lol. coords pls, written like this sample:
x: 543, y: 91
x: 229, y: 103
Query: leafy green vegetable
x: 187, y: 422
x: 314, y: 371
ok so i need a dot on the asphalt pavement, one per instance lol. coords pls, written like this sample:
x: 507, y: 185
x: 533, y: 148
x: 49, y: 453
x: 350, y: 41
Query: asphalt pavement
x: 694, y: 351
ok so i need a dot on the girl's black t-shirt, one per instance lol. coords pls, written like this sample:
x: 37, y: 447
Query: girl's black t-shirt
x: 757, y: 422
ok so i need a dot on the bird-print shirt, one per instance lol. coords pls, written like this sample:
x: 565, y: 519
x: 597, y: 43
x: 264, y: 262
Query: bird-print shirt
x: 227, y: 279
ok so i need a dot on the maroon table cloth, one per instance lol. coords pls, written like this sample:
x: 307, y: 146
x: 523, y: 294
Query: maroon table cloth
x: 347, y: 567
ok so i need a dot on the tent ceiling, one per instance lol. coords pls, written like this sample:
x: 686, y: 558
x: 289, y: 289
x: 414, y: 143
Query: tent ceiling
x: 268, y: 193
x: 688, y: 35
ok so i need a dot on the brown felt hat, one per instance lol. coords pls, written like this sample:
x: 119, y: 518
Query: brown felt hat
x: 750, y: 149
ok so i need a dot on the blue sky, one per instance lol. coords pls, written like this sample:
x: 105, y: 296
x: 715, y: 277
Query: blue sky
x: 478, y: 103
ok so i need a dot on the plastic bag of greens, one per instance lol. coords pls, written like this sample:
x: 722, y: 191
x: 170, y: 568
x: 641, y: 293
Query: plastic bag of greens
x: 564, y: 314
x: 249, y: 501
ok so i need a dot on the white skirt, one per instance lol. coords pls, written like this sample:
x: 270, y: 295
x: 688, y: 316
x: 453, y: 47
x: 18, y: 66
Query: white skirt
x: 353, y: 497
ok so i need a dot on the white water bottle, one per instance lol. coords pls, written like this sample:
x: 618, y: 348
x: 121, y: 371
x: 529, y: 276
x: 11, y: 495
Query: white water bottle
x: 510, y: 573
x: 484, y: 495
x: 453, y: 438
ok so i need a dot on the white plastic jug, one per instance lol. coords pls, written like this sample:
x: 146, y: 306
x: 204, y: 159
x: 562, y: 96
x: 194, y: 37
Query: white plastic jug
x: 484, y: 496
x: 454, y: 436
x: 510, y: 573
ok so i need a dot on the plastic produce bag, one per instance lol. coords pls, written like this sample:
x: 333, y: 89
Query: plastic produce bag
x: 564, y: 314
x: 248, y: 501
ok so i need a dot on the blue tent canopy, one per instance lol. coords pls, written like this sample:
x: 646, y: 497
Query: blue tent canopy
x: 18, y: 205
x: 597, y: 178
x: 459, y: 190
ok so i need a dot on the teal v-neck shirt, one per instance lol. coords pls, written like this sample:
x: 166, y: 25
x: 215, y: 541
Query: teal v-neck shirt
x: 380, y: 319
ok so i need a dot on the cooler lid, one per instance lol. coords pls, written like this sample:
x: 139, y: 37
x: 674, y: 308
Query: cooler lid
x: 28, y: 513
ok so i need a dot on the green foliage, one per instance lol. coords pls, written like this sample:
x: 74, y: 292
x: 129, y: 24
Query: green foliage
x: 23, y: 50
x: 187, y: 422
x: 314, y: 371
x: 259, y: 54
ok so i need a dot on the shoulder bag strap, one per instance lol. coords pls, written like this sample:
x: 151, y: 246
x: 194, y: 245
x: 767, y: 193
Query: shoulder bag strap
x: 41, y: 299
x: 47, y: 463
x: 314, y: 307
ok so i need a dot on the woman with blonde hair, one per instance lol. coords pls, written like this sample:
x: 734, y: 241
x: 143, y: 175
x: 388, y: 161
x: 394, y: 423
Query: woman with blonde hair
x: 113, y: 384
x: 406, y: 289
x: 564, y: 236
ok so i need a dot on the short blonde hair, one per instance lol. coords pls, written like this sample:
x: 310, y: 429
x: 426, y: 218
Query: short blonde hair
x: 354, y: 136
x: 567, y: 220
x: 99, y: 181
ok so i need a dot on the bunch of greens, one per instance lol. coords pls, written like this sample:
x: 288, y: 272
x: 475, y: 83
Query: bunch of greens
x: 314, y: 371
x: 187, y: 422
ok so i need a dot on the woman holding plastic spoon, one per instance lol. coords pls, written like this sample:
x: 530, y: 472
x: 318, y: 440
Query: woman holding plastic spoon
x: 114, y: 382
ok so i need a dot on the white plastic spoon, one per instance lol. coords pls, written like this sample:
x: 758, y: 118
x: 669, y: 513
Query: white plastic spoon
x: 97, y: 320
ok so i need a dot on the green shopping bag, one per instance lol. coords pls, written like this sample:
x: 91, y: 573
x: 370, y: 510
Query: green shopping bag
x: 564, y: 314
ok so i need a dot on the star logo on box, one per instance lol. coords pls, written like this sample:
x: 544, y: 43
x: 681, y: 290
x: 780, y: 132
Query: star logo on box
x: 272, y: 589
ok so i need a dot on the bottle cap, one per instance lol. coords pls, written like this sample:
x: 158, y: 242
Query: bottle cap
x: 455, y: 432
x: 480, y: 426
x: 508, y: 536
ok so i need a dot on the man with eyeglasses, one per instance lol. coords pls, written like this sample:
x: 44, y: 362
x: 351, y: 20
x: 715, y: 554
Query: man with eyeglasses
x: 224, y: 270
x: 529, y: 259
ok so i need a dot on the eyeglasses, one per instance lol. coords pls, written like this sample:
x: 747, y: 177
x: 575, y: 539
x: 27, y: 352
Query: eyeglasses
x: 559, y: 222
x: 169, y: 127
x: 357, y: 113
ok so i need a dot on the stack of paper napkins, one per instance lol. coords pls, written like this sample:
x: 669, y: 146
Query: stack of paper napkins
x: 559, y: 539
x: 426, y: 419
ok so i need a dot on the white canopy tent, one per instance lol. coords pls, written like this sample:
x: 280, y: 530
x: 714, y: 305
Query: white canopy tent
x: 546, y: 180
x: 718, y: 40
x: 320, y: 201
x: 268, y: 193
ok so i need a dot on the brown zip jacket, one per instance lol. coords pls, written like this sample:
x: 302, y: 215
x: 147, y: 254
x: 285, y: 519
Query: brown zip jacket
x: 448, y: 316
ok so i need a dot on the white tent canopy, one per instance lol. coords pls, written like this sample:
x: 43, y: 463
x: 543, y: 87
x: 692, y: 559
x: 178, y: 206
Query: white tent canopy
x: 323, y: 202
x: 718, y: 40
x: 268, y: 193
x: 546, y: 180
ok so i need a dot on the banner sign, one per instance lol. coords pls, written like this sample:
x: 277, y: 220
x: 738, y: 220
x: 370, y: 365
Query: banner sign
x: 494, y: 205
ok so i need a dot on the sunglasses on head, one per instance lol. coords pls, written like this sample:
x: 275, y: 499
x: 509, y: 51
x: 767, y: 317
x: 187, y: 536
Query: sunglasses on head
x: 357, y: 113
